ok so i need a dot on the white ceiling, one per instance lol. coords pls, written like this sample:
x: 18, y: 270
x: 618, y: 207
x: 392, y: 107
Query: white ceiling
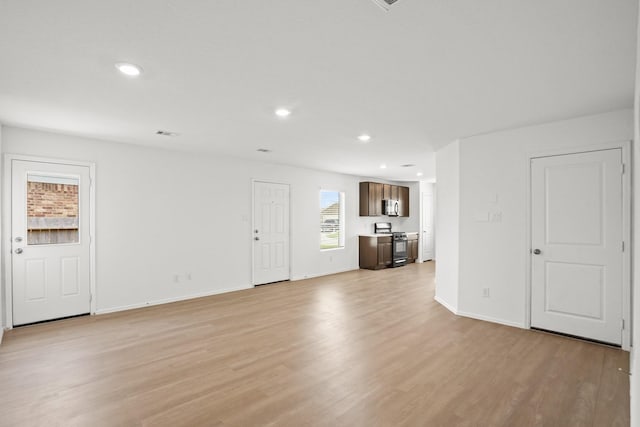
x: 416, y: 77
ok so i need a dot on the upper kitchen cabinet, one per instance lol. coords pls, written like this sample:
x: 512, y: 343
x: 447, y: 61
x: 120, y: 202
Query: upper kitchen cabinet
x: 390, y: 192
x: 373, y: 193
x: 371, y: 199
x: 403, y: 198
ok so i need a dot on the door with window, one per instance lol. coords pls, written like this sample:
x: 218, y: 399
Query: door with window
x: 270, y: 232
x: 50, y: 241
x: 577, y: 247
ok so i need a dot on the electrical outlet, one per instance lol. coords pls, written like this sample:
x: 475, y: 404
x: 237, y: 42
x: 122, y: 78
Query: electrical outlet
x: 188, y: 276
x: 176, y: 278
x: 486, y: 293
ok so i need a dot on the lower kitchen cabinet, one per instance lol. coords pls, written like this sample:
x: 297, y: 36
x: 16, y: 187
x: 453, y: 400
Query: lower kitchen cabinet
x: 412, y: 247
x: 375, y: 252
x: 385, y: 252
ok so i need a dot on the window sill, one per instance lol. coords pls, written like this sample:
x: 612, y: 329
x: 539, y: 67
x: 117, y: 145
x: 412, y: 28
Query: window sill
x: 332, y: 249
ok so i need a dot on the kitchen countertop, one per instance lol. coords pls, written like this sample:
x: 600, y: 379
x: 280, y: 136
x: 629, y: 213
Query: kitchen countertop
x: 385, y: 234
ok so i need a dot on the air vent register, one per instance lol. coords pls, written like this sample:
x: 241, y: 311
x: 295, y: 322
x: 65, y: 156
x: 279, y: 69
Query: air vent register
x: 385, y: 4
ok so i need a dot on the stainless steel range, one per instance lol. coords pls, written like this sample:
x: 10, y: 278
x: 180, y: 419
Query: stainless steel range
x: 399, y: 243
x: 399, y: 252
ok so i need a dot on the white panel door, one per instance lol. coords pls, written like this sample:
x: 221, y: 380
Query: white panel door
x: 50, y: 241
x: 576, y: 277
x: 270, y: 232
x: 427, y: 227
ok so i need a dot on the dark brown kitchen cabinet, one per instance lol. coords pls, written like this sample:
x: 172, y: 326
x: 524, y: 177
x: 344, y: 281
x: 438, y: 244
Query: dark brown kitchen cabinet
x: 375, y: 252
x: 390, y: 192
x: 385, y: 252
x: 373, y: 193
x: 412, y: 247
x: 371, y: 199
x: 403, y: 198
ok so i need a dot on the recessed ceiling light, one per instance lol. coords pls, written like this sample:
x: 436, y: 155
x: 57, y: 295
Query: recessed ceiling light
x: 364, y: 138
x: 128, y: 69
x: 383, y: 166
x: 419, y: 174
x: 283, y: 112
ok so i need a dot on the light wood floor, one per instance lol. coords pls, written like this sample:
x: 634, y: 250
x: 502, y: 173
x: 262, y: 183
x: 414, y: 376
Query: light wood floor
x: 363, y: 348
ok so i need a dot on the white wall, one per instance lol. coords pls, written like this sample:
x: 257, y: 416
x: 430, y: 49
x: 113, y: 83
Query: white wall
x: 2, y: 297
x: 493, y: 180
x: 447, y: 225
x: 161, y: 213
x: 634, y: 360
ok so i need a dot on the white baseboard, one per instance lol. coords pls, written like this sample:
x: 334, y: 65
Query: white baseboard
x: 313, y: 276
x: 445, y: 304
x: 1, y: 334
x: 491, y: 319
x: 478, y: 316
x: 169, y: 300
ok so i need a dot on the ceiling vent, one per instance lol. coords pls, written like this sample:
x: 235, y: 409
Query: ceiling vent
x: 263, y: 150
x: 166, y: 133
x: 385, y: 4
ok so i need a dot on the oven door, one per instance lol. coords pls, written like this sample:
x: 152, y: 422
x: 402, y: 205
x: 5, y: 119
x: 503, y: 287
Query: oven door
x: 400, y: 252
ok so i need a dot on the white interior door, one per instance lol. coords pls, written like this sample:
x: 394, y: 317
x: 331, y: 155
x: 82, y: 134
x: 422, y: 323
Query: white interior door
x: 270, y: 232
x: 427, y: 227
x: 576, y: 282
x: 50, y: 255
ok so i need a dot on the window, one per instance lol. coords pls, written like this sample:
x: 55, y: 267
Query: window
x: 52, y: 210
x: 331, y: 219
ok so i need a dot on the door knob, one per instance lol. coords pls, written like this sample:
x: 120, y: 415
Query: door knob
x: 537, y: 251
x: 256, y: 238
x: 18, y: 239
x: 18, y: 251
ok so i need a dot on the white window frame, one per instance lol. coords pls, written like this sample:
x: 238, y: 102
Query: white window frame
x: 341, y: 219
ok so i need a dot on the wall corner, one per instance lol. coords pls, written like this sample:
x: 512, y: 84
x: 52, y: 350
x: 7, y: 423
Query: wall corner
x: 447, y: 225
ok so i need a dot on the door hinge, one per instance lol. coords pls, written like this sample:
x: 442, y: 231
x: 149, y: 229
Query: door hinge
x: 622, y: 168
x: 622, y: 324
x: 623, y: 246
x: 90, y: 298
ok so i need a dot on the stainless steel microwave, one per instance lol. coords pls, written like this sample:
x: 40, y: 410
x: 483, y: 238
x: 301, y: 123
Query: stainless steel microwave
x: 391, y: 207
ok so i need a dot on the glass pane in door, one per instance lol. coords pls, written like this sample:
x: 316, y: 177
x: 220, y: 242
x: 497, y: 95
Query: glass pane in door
x: 52, y: 210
